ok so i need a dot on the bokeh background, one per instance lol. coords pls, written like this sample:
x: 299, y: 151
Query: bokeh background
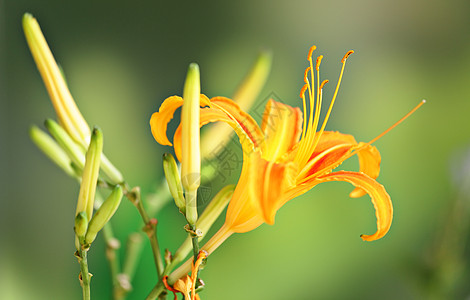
x: 122, y: 58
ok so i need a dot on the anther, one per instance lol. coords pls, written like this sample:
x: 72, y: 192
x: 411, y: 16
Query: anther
x: 347, y: 55
x: 323, y: 83
x: 309, y: 57
x: 317, y: 66
x: 306, y: 75
x: 302, y: 91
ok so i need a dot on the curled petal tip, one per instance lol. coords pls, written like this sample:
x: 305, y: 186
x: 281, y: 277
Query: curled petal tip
x: 369, y: 238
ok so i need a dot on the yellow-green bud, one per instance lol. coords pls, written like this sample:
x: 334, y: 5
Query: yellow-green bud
x: 174, y: 181
x: 81, y: 224
x: 103, y: 214
x: 66, y: 109
x: 190, y: 141
x: 245, y: 97
x: 90, y: 174
x: 252, y: 84
x: 111, y: 171
x: 73, y: 150
x: 51, y: 149
x: 207, y: 219
x: 215, y: 208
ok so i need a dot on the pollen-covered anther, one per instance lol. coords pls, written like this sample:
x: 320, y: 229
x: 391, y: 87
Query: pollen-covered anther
x: 323, y: 83
x: 317, y: 66
x: 347, y: 55
x: 306, y: 75
x: 310, y: 52
x: 302, y: 91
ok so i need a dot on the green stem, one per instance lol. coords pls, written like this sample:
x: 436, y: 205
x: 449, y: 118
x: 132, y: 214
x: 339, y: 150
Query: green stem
x: 159, y: 288
x: 133, y: 251
x: 150, y: 227
x: 112, y: 244
x: 195, y: 241
x: 85, y: 277
x: 157, y: 291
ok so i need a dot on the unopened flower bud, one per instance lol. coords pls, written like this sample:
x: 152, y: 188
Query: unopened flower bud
x: 51, y: 149
x: 66, y: 109
x: 111, y: 171
x: 245, y: 97
x: 103, y: 214
x: 81, y: 224
x: 215, y: 208
x: 68, y: 114
x: 90, y: 174
x: 73, y: 150
x: 191, y: 155
x: 174, y: 181
x: 207, y: 219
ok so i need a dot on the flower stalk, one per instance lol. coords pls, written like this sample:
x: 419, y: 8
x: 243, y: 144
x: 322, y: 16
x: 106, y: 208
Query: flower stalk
x: 149, y: 227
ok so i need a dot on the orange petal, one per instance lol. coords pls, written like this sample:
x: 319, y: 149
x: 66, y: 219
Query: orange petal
x: 330, y: 139
x: 268, y: 183
x: 159, y: 120
x: 380, y: 198
x: 324, y: 162
x: 332, y: 149
x: 282, y: 127
x: 225, y: 110
x: 369, y: 163
x: 246, y: 128
x: 243, y: 212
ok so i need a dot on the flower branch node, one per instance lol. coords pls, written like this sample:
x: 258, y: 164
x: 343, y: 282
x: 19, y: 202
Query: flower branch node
x: 149, y: 228
x: 194, y: 233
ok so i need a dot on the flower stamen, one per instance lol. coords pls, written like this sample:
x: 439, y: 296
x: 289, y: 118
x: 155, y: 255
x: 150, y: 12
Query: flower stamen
x: 310, y: 136
x: 388, y: 129
x: 302, y: 95
x: 327, y: 116
x: 398, y: 122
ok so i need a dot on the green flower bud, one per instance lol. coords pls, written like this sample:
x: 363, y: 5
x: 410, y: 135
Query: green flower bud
x: 51, y: 149
x: 90, y: 174
x: 73, y: 150
x: 111, y: 171
x: 215, y: 208
x: 67, y: 111
x: 81, y: 224
x: 245, y: 96
x: 190, y: 141
x: 207, y: 219
x: 174, y: 181
x: 103, y: 214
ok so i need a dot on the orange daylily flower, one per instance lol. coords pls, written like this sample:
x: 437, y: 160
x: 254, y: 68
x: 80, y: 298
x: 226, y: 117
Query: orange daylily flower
x: 187, y: 284
x: 287, y: 156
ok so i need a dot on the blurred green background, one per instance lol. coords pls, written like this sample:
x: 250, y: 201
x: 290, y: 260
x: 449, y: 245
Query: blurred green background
x: 122, y: 58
